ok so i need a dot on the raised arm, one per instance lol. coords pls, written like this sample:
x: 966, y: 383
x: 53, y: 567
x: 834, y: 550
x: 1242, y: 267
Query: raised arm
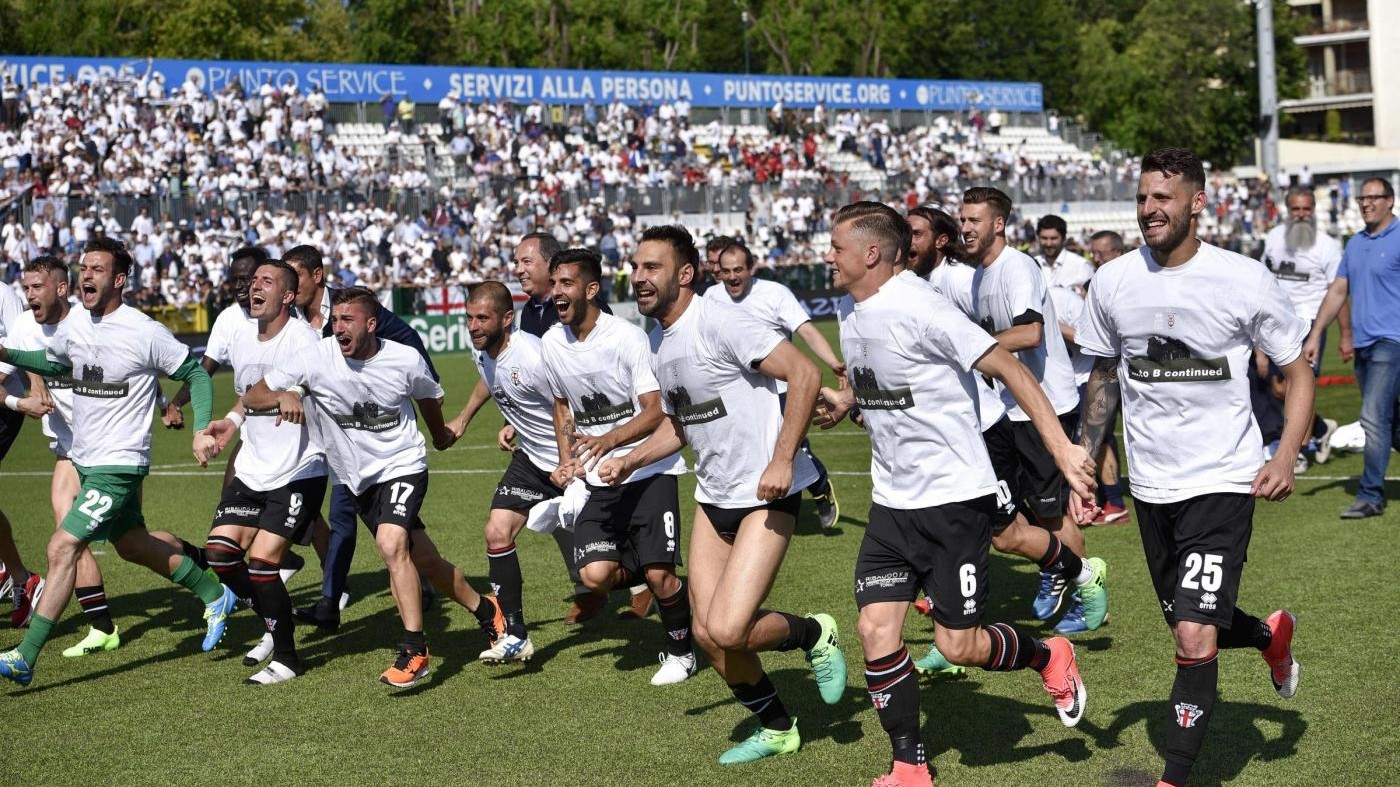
x: 813, y: 338
x: 474, y: 403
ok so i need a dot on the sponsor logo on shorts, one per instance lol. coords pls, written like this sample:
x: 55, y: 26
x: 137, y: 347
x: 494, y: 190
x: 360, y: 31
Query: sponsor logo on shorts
x: 597, y: 410
x: 1169, y: 360
x: 92, y: 384
x: 1166, y: 605
x: 870, y: 396
x: 1208, y: 600
x: 593, y: 546
x: 519, y: 493
x: 881, y: 699
x: 888, y: 579
x: 688, y: 412
x: 1187, y: 714
x: 244, y: 511
x: 369, y: 417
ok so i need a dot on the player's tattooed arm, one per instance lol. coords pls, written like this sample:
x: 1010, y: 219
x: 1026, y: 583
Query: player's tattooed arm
x: 564, y: 430
x: 1100, y: 406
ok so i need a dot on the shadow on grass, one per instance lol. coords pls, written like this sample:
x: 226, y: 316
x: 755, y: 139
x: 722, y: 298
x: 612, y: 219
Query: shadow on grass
x: 986, y: 729
x: 1235, y: 739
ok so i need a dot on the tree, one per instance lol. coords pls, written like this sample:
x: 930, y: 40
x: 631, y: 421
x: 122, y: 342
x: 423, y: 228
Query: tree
x: 1182, y: 72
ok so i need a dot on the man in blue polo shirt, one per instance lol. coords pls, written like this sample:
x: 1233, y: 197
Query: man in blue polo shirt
x: 1370, y: 274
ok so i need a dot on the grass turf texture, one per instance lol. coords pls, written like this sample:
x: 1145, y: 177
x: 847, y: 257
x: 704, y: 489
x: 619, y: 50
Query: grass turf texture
x: 582, y: 711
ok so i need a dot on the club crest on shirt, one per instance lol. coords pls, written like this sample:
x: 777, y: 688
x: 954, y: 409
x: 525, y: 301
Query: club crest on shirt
x: 689, y: 413
x: 871, y: 396
x: 91, y: 383
x: 515, y: 375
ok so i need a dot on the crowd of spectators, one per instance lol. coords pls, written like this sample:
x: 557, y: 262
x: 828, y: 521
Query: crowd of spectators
x: 239, y: 157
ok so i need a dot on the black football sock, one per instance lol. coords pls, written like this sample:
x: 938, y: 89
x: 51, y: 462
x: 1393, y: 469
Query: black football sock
x: 895, y: 693
x: 226, y: 558
x: 275, y: 606
x: 1246, y: 631
x: 503, y: 571
x: 1058, y: 559
x: 292, y: 561
x: 762, y: 701
x: 1193, y: 698
x: 415, y: 642
x: 93, y: 600
x: 674, y: 611
x: 1013, y: 649
x: 803, y: 632
x: 194, y: 553
x: 1113, y: 493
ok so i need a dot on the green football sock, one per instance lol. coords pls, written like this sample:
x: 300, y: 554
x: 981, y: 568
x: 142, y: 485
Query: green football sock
x: 204, y: 583
x: 34, y: 638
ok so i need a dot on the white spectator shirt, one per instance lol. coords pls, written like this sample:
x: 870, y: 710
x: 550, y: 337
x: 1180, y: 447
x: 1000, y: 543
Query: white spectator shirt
x: 954, y: 282
x: 273, y: 455
x: 603, y: 377
x: 362, y: 412
x: 1184, y: 336
x: 28, y: 334
x: 228, y: 326
x: 910, y: 359
x: 1069, y: 271
x: 115, y: 360
x: 1304, y: 274
x: 707, y: 365
x: 1005, y: 291
x: 520, y: 385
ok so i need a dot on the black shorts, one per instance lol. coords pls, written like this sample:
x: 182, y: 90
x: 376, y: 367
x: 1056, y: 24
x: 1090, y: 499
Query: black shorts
x: 523, y: 485
x: 1196, y: 550
x: 1006, y: 464
x: 726, y: 521
x: 396, y: 501
x: 941, y: 550
x: 1021, y: 461
x: 287, y: 511
x: 10, y: 422
x: 635, y: 525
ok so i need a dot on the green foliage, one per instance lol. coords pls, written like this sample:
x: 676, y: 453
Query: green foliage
x: 1144, y: 72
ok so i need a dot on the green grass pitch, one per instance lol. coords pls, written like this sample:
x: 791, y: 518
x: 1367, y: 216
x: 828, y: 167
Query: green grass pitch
x: 158, y: 711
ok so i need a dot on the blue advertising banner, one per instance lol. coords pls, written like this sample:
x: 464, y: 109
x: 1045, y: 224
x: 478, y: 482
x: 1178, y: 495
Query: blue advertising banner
x: 351, y: 82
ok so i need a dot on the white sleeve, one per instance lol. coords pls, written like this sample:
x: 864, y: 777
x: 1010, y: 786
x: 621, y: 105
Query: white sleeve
x: 421, y: 384
x: 291, y: 371
x: 948, y: 333
x: 1333, y: 261
x: 1025, y: 292
x: 790, y: 312
x: 551, y: 372
x: 216, y: 349
x: 636, y: 356
x: 1274, y: 327
x: 745, y: 340
x: 168, y: 354
x: 1094, y: 331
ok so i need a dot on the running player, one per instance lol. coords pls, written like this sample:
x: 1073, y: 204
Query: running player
x: 606, y: 400
x: 363, y: 389
x: 16, y: 580
x: 1014, y: 304
x: 537, y: 315
x: 279, y: 475
x: 720, y: 367
x: 1174, y: 323
x: 512, y: 372
x: 935, y: 236
x: 779, y: 310
x: 117, y: 352
x: 912, y: 361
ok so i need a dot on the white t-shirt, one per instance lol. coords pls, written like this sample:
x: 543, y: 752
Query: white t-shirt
x: 519, y: 384
x: 115, y: 361
x: 230, y: 323
x: 28, y: 334
x: 1304, y: 274
x: 1068, y: 307
x: 11, y: 307
x: 1069, y: 271
x: 771, y: 304
x: 362, y: 412
x: 954, y: 282
x: 707, y: 365
x: 272, y: 456
x: 602, y: 378
x: 910, y: 357
x: 1185, y: 335
x: 1005, y: 292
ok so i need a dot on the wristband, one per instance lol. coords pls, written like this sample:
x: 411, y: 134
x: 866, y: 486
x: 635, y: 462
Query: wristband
x: 12, y: 401
x: 299, y: 390
x: 236, y: 417
x: 161, y: 401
